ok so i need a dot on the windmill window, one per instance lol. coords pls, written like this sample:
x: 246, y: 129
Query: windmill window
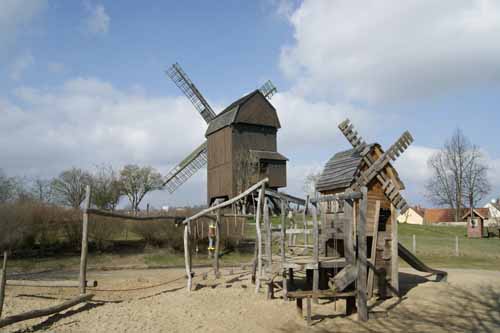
x: 263, y: 167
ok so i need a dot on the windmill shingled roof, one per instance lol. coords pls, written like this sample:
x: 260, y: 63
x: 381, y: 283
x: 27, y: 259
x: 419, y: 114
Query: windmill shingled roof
x: 228, y: 115
x: 340, y: 170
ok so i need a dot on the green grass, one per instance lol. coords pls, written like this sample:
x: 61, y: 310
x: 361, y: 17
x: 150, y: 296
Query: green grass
x: 435, y: 245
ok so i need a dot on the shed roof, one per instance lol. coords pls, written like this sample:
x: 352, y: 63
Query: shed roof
x: 340, y: 170
x: 230, y: 114
x: 268, y: 155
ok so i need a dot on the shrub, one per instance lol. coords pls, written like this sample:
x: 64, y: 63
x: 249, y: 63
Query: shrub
x: 159, y: 233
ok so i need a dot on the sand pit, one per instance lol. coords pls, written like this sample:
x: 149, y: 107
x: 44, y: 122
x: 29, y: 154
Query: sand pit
x: 469, y: 301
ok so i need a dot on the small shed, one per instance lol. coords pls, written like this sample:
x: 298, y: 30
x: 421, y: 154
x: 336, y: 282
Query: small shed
x: 242, y: 148
x: 475, y: 225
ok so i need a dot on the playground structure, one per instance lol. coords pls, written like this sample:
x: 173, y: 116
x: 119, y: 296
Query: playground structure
x: 349, y: 250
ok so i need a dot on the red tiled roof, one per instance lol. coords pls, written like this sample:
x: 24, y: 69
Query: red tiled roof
x: 436, y: 215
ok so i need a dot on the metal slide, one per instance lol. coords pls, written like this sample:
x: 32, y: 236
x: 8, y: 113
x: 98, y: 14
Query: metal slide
x: 414, y: 262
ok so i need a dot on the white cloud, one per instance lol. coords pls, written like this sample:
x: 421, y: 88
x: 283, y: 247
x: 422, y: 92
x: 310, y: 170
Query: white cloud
x: 87, y: 121
x: 391, y: 50
x: 14, y: 15
x: 20, y: 65
x: 97, y: 20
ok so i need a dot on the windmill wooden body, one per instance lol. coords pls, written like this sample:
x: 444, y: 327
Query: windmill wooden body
x: 241, y: 146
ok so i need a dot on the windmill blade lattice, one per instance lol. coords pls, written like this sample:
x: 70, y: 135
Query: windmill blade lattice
x: 182, y: 80
x: 186, y: 168
x: 375, y: 167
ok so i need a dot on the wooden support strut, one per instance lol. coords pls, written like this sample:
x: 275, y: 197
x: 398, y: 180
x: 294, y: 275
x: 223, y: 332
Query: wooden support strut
x: 187, y: 258
x: 394, y: 253
x: 283, y: 251
x: 315, y: 252
x: 373, y: 257
x: 259, y: 237
x: 85, y: 240
x: 361, y: 301
x: 3, y: 279
x: 217, y: 244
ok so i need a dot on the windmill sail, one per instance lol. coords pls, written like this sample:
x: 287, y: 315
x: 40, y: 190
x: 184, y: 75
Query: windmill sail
x: 186, y: 168
x: 185, y: 84
x: 268, y: 89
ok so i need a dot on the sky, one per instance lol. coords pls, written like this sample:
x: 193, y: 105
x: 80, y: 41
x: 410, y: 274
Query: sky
x: 83, y: 83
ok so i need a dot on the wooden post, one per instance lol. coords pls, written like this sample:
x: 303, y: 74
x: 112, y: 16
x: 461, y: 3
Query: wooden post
x: 299, y: 307
x: 308, y: 304
x: 217, y: 244
x: 348, y: 239
x: 414, y: 245
x: 283, y: 251
x: 85, y: 239
x: 315, y: 252
x: 3, y: 279
x: 361, y: 259
x: 373, y: 257
x: 394, y: 253
x: 187, y: 255
x: 304, y: 216
x: 457, y: 253
x: 259, y: 237
x: 269, y: 233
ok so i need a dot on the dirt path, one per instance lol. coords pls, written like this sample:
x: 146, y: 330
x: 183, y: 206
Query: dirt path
x: 469, y: 301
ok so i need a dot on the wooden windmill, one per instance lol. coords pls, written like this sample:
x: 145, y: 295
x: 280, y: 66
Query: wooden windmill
x: 367, y: 165
x: 227, y: 135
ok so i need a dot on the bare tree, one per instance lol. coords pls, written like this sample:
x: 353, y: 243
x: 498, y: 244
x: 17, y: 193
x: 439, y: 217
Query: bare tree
x: 310, y: 183
x: 41, y: 190
x: 7, y: 188
x: 138, y: 181
x: 106, y: 188
x: 69, y: 186
x: 458, y: 173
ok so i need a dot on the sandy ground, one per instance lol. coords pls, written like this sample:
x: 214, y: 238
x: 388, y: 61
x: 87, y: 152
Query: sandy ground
x: 468, y: 302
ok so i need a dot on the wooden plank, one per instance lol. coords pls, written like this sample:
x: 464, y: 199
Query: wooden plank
x: 228, y: 202
x: 50, y: 284
x: 371, y: 272
x: 298, y: 231
x: 344, y: 278
x: 85, y: 240
x: 304, y: 219
x: 340, y: 196
x: 45, y: 312
x: 3, y: 279
x: 361, y: 301
x: 321, y: 294
x: 394, y: 252
x: 308, y: 316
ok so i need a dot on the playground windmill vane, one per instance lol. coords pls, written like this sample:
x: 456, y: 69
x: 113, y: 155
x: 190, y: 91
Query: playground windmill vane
x: 197, y: 159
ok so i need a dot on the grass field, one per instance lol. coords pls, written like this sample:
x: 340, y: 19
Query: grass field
x: 435, y: 245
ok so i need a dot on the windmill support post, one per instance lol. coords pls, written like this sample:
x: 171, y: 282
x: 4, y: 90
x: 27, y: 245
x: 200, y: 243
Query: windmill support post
x: 361, y: 301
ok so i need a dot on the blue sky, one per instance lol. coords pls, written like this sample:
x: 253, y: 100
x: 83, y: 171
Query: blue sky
x: 83, y: 83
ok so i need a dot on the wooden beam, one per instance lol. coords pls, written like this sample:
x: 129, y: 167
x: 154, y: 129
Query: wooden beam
x: 217, y: 244
x: 259, y: 236
x: 304, y: 218
x: 51, y: 284
x: 361, y: 300
x: 348, y: 237
x: 371, y: 272
x: 394, y: 252
x: 85, y: 240
x: 92, y: 211
x: 344, y: 278
x: 341, y: 196
x: 283, y: 251
x: 45, y: 312
x: 187, y: 259
x: 3, y: 279
x: 228, y: 202
x: 315, y: 251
